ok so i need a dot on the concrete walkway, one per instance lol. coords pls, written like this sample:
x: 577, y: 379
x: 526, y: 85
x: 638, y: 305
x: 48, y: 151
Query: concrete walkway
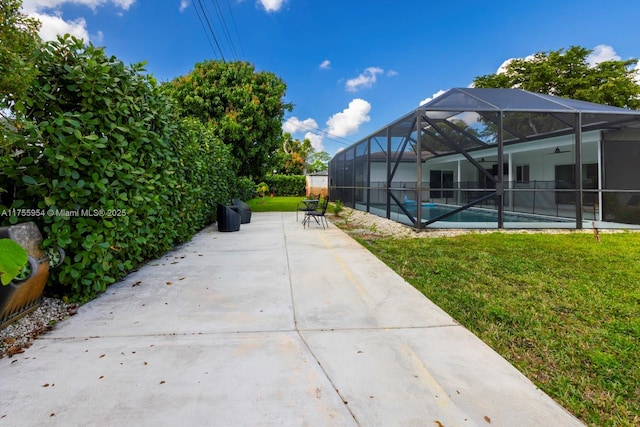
x: 273, y: 325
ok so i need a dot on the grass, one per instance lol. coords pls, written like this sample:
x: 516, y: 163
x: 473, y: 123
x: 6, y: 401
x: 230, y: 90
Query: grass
x: 275, y: 204
x: 562, y: 308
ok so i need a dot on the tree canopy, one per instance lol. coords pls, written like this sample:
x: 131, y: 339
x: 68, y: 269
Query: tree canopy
x: 295, y: 157
x: 568, y: 73
x: 246, y: 108
x: 19, y: 42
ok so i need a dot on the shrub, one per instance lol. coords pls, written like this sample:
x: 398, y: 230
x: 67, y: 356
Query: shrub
x: 287, y: 185
x: 115, y: 179
x: 205, y: 172
x: 245, y: 189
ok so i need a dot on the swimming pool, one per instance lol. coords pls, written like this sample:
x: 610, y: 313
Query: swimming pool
x: 431, y: 211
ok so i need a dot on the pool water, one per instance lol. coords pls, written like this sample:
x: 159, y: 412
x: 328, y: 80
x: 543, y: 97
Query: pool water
x: 430, y: 211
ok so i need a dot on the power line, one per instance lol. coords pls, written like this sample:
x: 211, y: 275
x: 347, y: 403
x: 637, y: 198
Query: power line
x: 225, y: 28
x: 206, y: 17
x: 323, y: 133
x: 203, y: 27
x: 235, y: 28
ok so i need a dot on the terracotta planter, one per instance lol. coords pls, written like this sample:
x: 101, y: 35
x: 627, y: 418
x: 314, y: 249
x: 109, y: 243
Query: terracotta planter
x: 20, y: 297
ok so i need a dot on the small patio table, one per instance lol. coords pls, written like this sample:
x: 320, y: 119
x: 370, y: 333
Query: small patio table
x: 308, y: 205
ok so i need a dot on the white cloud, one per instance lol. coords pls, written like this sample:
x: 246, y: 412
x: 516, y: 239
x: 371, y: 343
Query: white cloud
x: 294, y: 125
x: 435, y: 95
x: 636, y: 69
x: 183, y: 5
x: 316, y: 141
x: 272, y: 5
x: 392, y: 73
x: 98, y: 37
x: 602, y: 53
x: 349, y: 120
x: 325, y: 65
x: 53, y: 24
x: 341, y: 124
x: 39, y: 5
x: 503, y: 67
x: 364, y: 80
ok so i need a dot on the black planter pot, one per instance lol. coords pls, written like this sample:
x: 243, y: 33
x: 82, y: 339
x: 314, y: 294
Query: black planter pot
x: 245, y: 210
x: 228, y: 218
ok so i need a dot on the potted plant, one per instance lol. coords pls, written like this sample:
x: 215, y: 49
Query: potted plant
x: 25, y: 270
x: 13, y: 260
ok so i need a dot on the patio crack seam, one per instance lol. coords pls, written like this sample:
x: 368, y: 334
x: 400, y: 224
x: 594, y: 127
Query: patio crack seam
x: 306, y: 345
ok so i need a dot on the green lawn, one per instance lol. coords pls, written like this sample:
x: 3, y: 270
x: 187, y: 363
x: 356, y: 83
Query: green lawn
x: 275, y: 204
x: 562, y: 308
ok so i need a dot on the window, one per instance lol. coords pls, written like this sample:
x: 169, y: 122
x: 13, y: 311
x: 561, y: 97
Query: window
x: 439, y: 180
x: 522, y: 174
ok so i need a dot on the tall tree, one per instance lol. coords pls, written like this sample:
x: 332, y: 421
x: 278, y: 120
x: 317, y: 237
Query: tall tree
x: 246, y: 108
x: 567, y: 73
x: 19, y: 42
x: 295, y: 157
x: 319, y: 161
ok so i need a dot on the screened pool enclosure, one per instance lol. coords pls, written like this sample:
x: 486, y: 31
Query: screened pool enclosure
x: 498, y: 158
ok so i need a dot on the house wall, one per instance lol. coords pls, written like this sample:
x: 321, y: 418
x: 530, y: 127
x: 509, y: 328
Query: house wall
x: 317, y: 184
x: 539, y: 155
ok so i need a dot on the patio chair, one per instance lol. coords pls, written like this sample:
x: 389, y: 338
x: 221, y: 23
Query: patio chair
x: 245, y: 210
x: 228, y: 218
x: 308, y: 205
x: 315, y: 214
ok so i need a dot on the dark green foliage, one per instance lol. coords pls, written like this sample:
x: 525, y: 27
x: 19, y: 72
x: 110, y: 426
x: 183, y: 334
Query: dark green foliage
x: 286, y: 185
x: 567, y: 73
x: 117, y: 177
x: 205, y: 174
x: 245, y: 189
x: 245, y: 107
x: 19, y: 42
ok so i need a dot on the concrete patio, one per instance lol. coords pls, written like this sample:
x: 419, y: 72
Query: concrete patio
x: 273, y: 325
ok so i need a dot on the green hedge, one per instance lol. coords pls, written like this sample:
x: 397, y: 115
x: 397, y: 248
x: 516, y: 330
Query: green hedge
x: 116, y: 179
x: 286, y: 185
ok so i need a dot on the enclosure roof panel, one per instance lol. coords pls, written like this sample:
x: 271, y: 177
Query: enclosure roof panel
x: 493, y: 99
x: 527, y: 115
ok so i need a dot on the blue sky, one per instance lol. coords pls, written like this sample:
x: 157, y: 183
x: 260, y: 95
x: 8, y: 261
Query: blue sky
x: 351, y: 66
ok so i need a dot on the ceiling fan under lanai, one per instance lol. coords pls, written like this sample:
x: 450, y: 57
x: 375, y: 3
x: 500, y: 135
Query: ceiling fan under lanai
x: 559, y: 151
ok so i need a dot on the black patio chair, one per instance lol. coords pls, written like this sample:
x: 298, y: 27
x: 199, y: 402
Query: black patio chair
x: 308, y: 205
x: 317, y: 215
x: 245, y: 210
x: 228, y: 218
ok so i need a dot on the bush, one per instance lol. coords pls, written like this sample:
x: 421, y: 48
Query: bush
x: 338, y: 207
x: 115, y: 178
x: 287, y: 185
x: 206, y: 175
x: 245, y: 189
